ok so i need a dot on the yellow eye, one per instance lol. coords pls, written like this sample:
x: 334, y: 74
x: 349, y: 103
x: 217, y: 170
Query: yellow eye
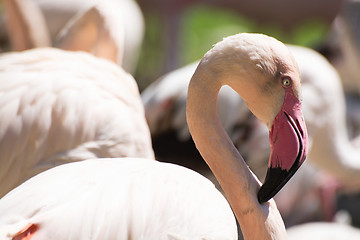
x: 286, y: 82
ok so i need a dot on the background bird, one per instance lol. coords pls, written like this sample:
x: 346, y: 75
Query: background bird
x: 62, y: 106
x: 122, y: 19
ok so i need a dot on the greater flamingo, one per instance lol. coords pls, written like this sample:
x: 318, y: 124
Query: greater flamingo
x: 325, y: 113
x: 343, y: 51
x: 92, y: 199
x: 324, y: 110
x: 58, y: 106
x: 342, y: 47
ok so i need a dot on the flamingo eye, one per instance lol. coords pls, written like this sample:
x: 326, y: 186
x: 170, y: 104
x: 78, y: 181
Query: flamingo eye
x: 286, y: 81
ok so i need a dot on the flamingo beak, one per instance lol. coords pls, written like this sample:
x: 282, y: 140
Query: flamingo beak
x: 288, y: 142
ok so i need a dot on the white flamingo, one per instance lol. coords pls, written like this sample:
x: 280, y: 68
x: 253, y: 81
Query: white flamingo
x: 123, y: 19
x: 86, y: 199
x: 61, y: 106
x: 343, y: 51
x: 344, y: 45
x: 324, y: 110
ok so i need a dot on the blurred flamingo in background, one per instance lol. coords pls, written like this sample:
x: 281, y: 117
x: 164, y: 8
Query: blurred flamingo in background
x: 342, y: 48
x: 123, y: 17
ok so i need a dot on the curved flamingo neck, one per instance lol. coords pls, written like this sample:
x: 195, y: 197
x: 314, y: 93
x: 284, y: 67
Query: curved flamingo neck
x: 338, y: 154
x: 239, y: 184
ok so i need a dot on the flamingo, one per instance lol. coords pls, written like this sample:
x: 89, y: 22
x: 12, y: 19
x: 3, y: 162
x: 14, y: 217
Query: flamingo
x: 342, y: 47
x: 324, y: 110
x: 97, y: 199
x: 123, y: 20
x: 342, y: 50
x: 59, y: 106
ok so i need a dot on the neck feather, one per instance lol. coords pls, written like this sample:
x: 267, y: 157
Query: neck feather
x: 239, y: 184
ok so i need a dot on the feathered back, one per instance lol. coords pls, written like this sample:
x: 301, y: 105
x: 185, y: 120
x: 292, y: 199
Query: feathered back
x: 58, y: 106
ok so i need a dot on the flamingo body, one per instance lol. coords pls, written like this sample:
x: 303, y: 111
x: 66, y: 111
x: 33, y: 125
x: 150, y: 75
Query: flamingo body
x: 58, y: 107
x: 118, y: 199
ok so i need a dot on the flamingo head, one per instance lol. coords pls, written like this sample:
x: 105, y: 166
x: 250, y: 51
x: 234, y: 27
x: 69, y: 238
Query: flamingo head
x: 268, y: 80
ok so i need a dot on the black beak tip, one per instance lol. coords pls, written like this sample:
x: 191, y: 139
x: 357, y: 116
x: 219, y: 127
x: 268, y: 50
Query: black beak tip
x: 275, y: 179
x: 262, y: 197
x: 265, y: 194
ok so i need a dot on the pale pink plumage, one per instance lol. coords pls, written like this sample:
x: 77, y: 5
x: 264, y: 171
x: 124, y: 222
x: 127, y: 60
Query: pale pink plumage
x: 123, y: 18
x: 58, y: 107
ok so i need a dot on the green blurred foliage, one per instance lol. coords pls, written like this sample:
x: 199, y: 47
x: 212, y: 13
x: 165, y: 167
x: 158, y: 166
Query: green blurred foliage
x: 311, y: 33
x: 151, y: 57
x: 204, y: 26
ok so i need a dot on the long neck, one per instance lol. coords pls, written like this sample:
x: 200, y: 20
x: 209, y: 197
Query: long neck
x: 332, y: 150
x: 239, y: 184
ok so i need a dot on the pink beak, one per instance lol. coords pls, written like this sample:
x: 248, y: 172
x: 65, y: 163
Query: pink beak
x: 288, y: 142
